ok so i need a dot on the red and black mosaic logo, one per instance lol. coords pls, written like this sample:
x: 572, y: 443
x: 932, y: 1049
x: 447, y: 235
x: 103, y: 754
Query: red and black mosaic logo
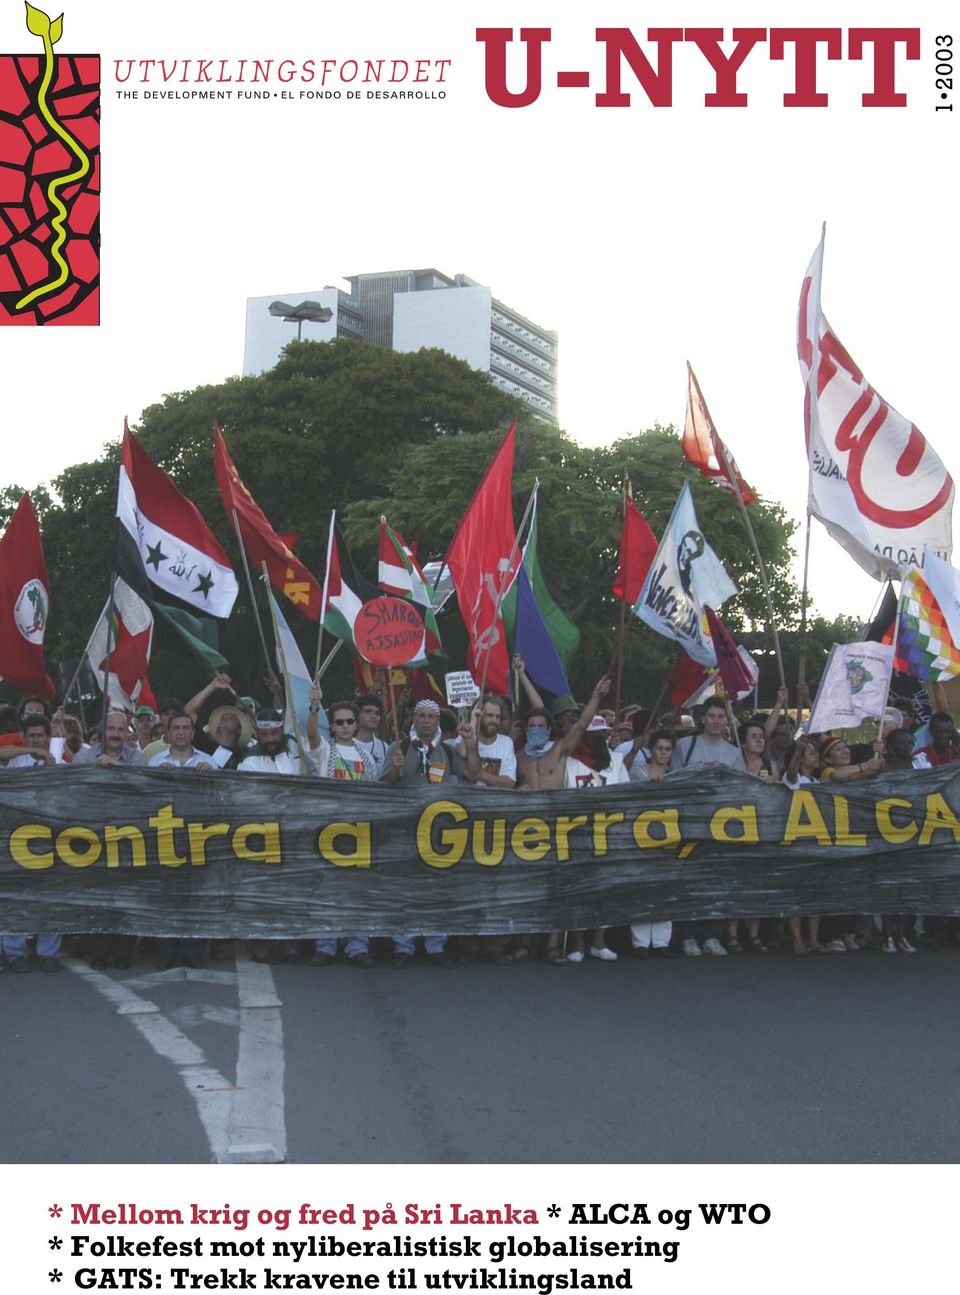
x: 49, y: 183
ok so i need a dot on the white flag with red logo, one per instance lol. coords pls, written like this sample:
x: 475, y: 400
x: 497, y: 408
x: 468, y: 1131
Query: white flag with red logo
x: 875, y: 483
x: 129, y: 641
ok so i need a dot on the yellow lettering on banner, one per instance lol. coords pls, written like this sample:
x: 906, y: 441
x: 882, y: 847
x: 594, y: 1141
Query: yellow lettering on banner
x: 940, y: 818
x: 601, y: 823
x: 492, y: 856
x: 454, y: 838
x: 668, y: 820
x: 886, y: 826
x: 113, y: 835
x: 198, y: 834
x: 89, y: 851
x: 358, y: 833
x: 565, y: 825
x: 841, y: 824
x: 530, y: 839
x: 745, y: 815
x: 20, y: 840
x: 268, y: 852
x: 165, y: 821
x: 805, y: 821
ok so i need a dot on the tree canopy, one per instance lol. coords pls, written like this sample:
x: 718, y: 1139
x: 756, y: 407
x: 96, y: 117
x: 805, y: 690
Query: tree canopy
x: 367, y: 431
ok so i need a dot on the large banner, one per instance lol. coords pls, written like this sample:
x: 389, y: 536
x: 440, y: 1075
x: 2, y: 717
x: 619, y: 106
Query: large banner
x: 157, y: 852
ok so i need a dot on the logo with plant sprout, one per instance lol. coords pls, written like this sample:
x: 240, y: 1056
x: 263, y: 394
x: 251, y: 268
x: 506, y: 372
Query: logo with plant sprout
x: 49, y: 182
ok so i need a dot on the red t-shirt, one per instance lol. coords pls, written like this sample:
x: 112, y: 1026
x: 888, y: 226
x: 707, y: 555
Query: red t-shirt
x: 934, y: 757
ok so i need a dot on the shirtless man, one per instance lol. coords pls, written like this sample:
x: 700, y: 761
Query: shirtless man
x: 545, y: 772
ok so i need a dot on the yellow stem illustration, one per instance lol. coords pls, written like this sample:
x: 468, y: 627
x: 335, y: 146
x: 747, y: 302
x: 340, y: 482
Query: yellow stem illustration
x: 39, y: 24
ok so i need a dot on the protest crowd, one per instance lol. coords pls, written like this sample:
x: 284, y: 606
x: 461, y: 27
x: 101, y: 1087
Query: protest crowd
x: 508, y: 723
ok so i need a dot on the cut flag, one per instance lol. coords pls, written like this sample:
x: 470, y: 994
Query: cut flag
x: 703, y: 447
x: 686, y: 576
x: 131, y: 637
x: 24, y: 604
x: 853, y: 686
x: 481, y: 558
x: 539, y: 629
x: 736, y: 677
x: 401, y: 576
x: 875, y: 483
x: 162, y: 540
x: 260, y: 541
x: 638, y: 548
x: 928, y: 635
x: 344, y: 590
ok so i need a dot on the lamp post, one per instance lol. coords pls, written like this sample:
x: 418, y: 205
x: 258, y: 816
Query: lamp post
x: 311, y: 311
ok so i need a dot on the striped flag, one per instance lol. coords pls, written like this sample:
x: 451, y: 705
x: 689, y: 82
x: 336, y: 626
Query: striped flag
x: 162, y: 539
x: 344, y: 589
x: 400, y: 574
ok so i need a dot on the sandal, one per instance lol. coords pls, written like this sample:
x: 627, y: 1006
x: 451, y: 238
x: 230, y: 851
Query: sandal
x: 555, y: 956
x: 757, y: 945
x: 734, y: 946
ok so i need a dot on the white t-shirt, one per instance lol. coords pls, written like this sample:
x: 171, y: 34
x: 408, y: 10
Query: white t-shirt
x: 376, y: 748
x: 498, y: 757
x: 579, y: 774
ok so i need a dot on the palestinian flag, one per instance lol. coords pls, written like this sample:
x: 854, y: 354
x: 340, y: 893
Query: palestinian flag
x: 400, y: 575
x: 162, y: 540
x: 127, y: 639
x: 344, y: 591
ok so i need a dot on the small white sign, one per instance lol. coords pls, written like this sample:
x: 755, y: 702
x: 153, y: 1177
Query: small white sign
x: 461, y: 688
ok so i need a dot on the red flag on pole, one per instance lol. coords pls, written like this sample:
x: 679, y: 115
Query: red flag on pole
x: 261, y: 542
x: 686, y: 677
x: 638, y: 548
x: 479, y: 558
x: 24, y: 604
x: 734, y: 675
x: 703, y: 447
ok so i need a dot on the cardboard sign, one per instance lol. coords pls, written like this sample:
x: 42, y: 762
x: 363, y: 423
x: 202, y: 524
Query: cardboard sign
x: 461, y: 688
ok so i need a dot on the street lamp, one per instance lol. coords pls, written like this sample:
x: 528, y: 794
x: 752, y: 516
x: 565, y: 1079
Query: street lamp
x: 311, y: 311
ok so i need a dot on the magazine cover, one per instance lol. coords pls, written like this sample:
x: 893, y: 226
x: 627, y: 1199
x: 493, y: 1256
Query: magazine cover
x: 393, y: 253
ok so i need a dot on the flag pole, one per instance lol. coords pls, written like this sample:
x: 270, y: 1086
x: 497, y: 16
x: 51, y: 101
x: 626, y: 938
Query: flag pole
x: 323, y: 599
x: 813, y: 391
x: 733, y: 477
x: 623, y: 606
x: 250, y: 589
x: 393, y: 705
x: 304, y: 769
x: 328, y: 659
x: 503, y: 579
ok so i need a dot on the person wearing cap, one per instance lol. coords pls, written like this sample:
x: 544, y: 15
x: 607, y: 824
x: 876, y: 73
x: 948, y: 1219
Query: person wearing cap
x: 227, y: 734
x: 144, y: 718
x: 425, y: 759
x: 591, y: 763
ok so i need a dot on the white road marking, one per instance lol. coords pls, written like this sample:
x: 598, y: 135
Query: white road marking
x: 244, y: 1122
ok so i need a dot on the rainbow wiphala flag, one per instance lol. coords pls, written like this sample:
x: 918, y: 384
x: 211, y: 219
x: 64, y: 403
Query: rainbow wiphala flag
x: 926, y: 648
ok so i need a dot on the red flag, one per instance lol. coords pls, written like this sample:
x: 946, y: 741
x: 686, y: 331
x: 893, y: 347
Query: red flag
x: 129, y: 640
x: 703, y: 447
x: 686, y: 677
x: 638, y: 548
x: 479, y: 559
x: 24, y: 604
x: 734, y: 674
x: 261, y: 542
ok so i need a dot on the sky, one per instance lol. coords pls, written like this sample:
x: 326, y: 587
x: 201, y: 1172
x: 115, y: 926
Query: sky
x: 646, y: 237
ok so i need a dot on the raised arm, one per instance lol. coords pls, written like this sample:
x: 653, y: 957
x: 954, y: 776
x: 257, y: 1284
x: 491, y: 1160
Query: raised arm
x: 192, y: 707
x: 572, y: 739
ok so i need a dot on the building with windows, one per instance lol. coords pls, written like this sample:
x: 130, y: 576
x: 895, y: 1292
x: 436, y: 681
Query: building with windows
x: 410, y: 309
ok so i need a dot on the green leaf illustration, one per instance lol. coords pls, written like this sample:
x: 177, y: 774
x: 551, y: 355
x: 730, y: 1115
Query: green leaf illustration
x: 38, y: 23
x: 56, y: 30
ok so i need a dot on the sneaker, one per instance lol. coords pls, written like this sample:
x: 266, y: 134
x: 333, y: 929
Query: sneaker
x: 322, y: 960
x: 399, y: 961
x: 361, y: 960
x: 904, y: 945
x: 835, y: 946
x: 54, y: 964
x: 662, y: 951
x: 440, y: 960
x: 714, y: 947
x: 641, y: 951
x: 604, y: 954
x: 575, y: 956
x: 691, y: 949
x: 888, y: 946
x: 19, y: 965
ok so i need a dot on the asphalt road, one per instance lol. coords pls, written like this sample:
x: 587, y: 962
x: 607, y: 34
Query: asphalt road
x: 751, y: 1059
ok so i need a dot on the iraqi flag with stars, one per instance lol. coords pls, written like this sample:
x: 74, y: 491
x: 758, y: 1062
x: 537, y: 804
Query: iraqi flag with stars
x: 162, y: 538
